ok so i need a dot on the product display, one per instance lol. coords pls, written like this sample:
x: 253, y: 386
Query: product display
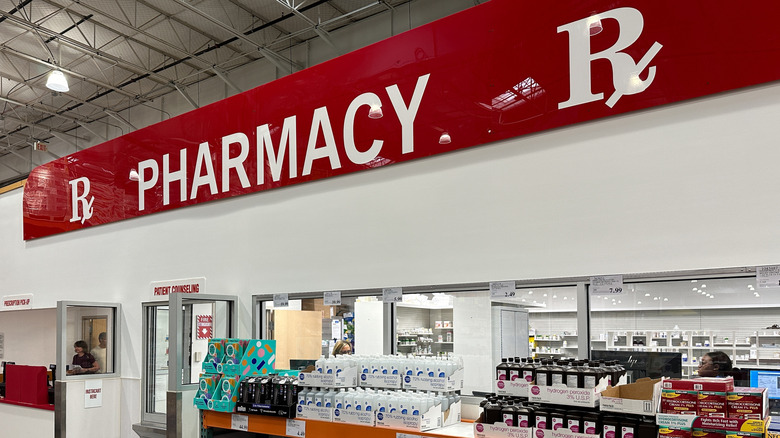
x: 562, y: 372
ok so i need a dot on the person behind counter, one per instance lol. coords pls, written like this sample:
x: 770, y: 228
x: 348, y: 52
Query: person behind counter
x: 85, y: 362
x: 715, y: 364
x: 99, y: 352
x: 342, y: 347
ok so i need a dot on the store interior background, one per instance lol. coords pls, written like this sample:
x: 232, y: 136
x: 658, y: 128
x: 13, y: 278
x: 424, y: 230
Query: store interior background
x: 680, y: 187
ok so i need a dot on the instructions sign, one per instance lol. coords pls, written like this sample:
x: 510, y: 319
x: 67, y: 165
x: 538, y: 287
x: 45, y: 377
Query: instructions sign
x: 332, y: 298
x: 281, y: 300
x: 392, y: 295
x: 502, y: 289
x: 606, y: 285
x: 768, y: 276
x: 93, y: 393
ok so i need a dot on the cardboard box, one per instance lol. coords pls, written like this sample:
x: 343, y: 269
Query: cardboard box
x: 677, y: 401
x: 712, y: 404
x: 639, y: 398
x: 717, y: 384
x: 748, y: 403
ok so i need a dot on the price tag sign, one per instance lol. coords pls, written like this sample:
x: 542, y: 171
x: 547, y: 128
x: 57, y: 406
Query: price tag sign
x: 606, y: 285
x: 332, y: 298
x: 502, y: 289
x: 768, y: 276
x: 239, y: 422
x: 281, y: 300
x: 392, y: 295
x: 296, y: 428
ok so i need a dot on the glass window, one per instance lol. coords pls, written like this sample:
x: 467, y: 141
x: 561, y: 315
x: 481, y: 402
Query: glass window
x: 157, y: 358
x: 424, y: 325
x: 689, y: 318
x: 308, y: 329
x: 89, y: 339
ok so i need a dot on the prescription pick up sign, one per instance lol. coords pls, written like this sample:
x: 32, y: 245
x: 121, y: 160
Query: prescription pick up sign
x: 161, y: 289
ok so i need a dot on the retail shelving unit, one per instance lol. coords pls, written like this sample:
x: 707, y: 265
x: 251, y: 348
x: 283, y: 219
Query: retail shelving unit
x: 418, y: 340
x: 277, y: 426
x: 762, y: 349
x: 555, y: 345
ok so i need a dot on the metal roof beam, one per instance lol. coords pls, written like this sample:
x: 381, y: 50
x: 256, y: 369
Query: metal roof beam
x: 276, y: 59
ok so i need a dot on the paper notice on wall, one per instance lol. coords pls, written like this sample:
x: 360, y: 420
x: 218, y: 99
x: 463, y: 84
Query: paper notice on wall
x: 93, y: 393
x: 606, y: 285
x: 768, y: 276
x: 336, y: 330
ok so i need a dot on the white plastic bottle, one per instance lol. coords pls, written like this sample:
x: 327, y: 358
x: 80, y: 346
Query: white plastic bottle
x: 319, y: 364
x: 339, y: 399
x: 310, y: 396
x: 302, y: 396
x: 319, y: 398
x: 329, y: 400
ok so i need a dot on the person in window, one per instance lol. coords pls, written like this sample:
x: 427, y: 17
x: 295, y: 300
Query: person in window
x: 99, y: 352
x: 715, y: 364
x: 83, y: 362
x: 342, y: 347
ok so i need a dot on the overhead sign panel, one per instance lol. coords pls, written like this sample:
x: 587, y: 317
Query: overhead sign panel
x: 495, y: 71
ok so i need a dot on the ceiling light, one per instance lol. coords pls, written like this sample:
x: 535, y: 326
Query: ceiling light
x: 757, y: 295
x: 703, y: 285
x: 712, y: 296
x: 57, y: 82
x: 555, y: 296
x: 639, y: 302
x: 565, y: 298
x: 620, y: 302
x: 694, y: 281
x: 647, y: 295
x: 445, y: 139
x: 530, y: 292
x: 545, y: 294
x: 655, y: 298
x: 666, y: 299
x: 375, y: 112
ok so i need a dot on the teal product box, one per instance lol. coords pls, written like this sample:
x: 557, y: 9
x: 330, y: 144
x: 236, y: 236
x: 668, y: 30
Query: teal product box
x: 207, y: 388
x: 214, y: 355
x: 226, y: 395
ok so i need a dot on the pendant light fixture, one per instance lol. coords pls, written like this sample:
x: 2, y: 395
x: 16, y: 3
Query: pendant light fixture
x: 57, y: 82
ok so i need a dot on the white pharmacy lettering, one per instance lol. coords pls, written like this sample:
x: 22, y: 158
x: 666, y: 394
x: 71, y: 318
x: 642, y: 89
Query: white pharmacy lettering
x: 625, y: 72
x: 238, y: 144
x: 80, y: 200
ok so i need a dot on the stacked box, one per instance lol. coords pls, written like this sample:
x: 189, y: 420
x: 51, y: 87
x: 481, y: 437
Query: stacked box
x: 749, y: 403
x: 678, y: 401
x: 712, y: 404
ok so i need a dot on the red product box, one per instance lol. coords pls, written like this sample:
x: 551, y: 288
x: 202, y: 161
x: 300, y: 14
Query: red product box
x: 751, y: 403
x: 715, y: 384
x: 712, y: 404
x: 679, y: 401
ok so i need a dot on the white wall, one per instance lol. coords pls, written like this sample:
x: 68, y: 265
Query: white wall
x: 679, y: 187
x: 30, y: 336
